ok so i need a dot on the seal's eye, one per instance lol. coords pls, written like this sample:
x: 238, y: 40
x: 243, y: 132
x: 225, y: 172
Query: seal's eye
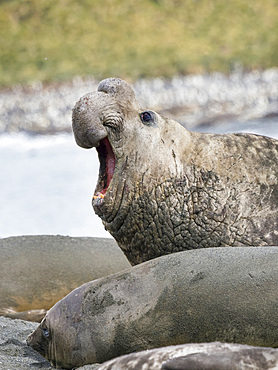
x: 45, y: 333
x: 147, y: 117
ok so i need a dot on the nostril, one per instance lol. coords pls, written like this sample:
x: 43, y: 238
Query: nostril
x: 89, y: 138
x: 29, y: 339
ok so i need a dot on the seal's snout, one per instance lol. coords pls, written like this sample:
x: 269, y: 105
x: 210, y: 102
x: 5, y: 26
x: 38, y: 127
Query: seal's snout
x: 86, y: 120
x: 32, y: 340
x: 38, y: 340
x: 29, y: 340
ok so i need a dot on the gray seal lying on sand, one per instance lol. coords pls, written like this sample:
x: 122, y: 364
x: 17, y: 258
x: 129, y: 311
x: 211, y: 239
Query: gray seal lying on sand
x: 204, y: 356
x: 163, y: 189
x: 38, y: 271
x: 204, y: 295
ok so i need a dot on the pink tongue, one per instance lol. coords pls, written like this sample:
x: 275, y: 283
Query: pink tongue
x: 110, y: 163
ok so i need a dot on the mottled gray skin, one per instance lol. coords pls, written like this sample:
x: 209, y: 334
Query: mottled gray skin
x: 203, y: 356
x: 195, y: 296
x: 175, y: 190
x: 37, y: 271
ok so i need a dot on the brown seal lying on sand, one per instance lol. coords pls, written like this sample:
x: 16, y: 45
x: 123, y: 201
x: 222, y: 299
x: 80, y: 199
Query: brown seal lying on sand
x: 204, y: 295
x: 37, y: 271
x: 163, y: 189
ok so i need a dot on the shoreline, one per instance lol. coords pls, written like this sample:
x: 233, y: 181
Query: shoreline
x: 193, y: 100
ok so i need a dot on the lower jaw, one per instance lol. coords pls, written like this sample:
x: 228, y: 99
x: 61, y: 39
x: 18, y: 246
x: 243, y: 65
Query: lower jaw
x: 110, y: 208
x: 100, y: 195
x: 101, y: 202
x: 97, y: 202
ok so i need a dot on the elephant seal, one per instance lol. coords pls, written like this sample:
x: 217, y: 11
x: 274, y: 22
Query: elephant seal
x: 205, y: 356
x: 163, y: 189
x: 38, y: 271
x: 203, y: 295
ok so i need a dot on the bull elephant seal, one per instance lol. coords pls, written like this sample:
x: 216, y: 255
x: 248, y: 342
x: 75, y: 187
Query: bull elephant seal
x: 163, y: 189
x: 38, y: 271
x: 204, y: 356
x: 204, y: 295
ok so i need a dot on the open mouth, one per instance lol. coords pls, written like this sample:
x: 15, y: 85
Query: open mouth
x: 107, y: 162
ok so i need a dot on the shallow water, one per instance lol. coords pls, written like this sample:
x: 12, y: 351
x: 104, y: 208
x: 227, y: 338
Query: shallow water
x: 47, y: 182
x: 46, y: 187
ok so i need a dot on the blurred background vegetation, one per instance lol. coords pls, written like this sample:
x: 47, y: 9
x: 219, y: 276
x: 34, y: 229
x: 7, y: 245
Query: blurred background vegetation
x: 55, y: 40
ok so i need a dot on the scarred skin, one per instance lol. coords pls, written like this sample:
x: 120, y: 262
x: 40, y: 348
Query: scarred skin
x: 196, y: 356
x: 173, y: 189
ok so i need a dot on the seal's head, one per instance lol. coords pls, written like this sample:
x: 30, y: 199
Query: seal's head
x: 39, y: 340
x: 127, y: 139
x: 133, y: 146
x: 56, y: 338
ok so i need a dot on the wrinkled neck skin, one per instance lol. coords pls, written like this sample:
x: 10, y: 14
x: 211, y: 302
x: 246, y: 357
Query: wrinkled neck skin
x: 195, y: 198
x: 176, y: 190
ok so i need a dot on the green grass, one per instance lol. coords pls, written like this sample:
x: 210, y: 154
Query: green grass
x: 51, y: 40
